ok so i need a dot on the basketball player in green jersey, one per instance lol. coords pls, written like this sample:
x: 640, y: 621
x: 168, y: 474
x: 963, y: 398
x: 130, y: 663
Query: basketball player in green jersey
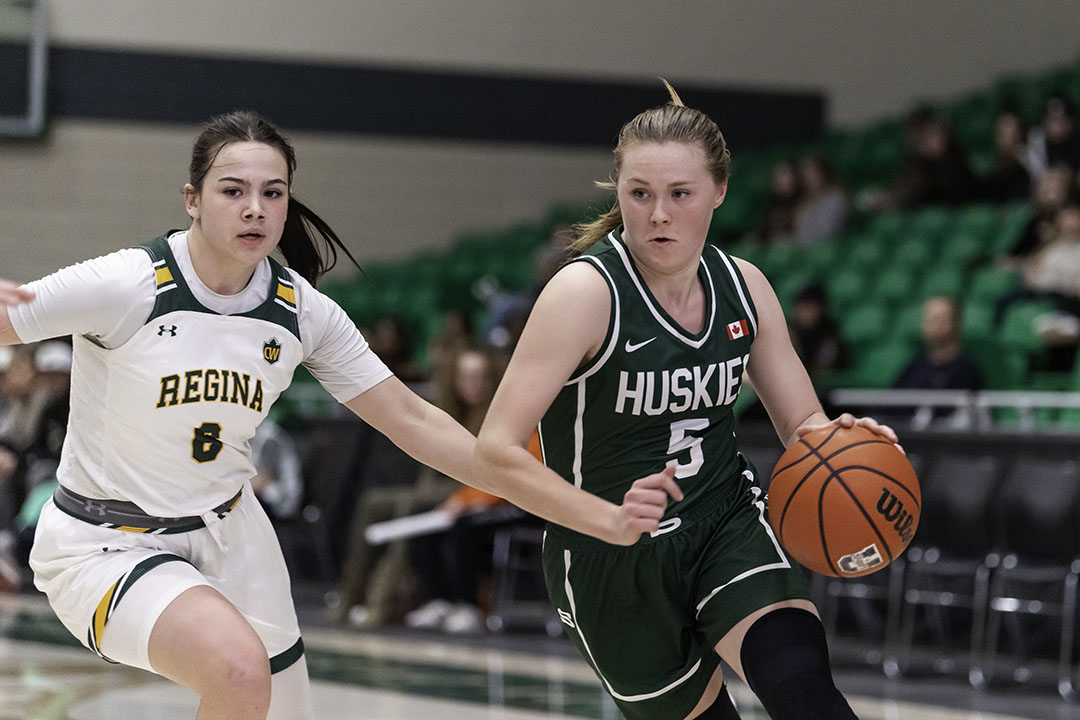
x: 630, y: 364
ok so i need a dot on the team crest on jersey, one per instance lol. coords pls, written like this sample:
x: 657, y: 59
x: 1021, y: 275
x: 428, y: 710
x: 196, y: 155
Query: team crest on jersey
x: 736, y: 329
x: 271, y: 351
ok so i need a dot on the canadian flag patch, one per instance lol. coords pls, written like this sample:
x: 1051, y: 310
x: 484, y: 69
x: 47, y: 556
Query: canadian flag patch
x: 736, y: 330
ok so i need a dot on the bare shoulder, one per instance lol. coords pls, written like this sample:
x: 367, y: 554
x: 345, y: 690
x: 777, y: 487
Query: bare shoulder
x: 571, y: 313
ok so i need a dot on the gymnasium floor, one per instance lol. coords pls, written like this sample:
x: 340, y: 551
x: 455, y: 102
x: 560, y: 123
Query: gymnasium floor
x: 398, y: 674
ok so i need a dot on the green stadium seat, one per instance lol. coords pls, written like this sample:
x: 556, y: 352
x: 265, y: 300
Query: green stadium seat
x: 866, y: 326
x: 879, y: 366
x: 845, y: 290
x: 868, y: 252
x: 934, y: 221
x: 1001, y: 368
x: 1010, y: 229
x: 893, y: 286
x: 915, y: 250
x: 1017, y: 330
x: 944, y: 279
x: 991, y: 283
x: 978, y: 322
x: 907, y: 328
x: 964, y: 248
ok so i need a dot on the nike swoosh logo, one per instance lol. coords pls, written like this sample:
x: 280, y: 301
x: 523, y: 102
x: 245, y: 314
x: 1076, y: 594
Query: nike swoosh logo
x: 631, y: 347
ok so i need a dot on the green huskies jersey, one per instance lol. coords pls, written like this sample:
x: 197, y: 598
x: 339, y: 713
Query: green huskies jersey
x: 655, y: 395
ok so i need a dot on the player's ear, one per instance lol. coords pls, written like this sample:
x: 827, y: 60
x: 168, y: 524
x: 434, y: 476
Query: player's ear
x: 721, y: 193
x: 191, y: 201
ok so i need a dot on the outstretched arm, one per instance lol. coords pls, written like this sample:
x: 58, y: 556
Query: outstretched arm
x: 11, y: 294
x: 552, y: 346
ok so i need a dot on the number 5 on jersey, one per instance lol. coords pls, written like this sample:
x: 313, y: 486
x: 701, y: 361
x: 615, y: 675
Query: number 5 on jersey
x: 682, y: 440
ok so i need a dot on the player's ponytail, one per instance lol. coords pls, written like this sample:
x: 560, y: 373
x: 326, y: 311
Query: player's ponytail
x: 308, y: 243
x: 671, y: 122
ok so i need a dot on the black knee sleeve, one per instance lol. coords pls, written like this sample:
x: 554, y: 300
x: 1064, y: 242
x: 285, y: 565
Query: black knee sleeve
x: 786, y: 663
x: 721, y: 709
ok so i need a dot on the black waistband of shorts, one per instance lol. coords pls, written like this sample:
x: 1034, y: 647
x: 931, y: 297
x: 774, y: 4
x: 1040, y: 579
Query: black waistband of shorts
x: 127, y: 516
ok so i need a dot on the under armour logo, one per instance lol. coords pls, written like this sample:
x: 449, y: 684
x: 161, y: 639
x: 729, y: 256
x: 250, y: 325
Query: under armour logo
x: 171, y: 330
x: 90, y: 506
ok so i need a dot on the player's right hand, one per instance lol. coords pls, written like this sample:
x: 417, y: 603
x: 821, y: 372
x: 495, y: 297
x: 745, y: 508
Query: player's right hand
x: 644, y: 505
x: 14, y: 294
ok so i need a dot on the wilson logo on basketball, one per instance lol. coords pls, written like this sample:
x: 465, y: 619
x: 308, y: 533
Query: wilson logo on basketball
x: 893, y: 511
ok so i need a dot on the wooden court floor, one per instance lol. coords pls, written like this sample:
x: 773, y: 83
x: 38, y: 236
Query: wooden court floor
x: 398, y: 674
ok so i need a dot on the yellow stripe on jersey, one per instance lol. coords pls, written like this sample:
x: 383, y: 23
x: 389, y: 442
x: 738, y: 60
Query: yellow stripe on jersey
x: 101, y: 614
x: 128, y: 528
x: 286, y: 293
x: 163, y: 276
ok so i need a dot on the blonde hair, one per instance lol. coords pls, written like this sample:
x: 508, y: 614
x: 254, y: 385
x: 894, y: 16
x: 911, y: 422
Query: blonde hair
x: 670, y: 122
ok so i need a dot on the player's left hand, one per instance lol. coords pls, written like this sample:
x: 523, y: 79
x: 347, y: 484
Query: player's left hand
x: 848, y: 420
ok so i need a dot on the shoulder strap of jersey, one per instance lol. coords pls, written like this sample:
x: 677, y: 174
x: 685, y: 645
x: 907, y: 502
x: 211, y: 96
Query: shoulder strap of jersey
x: 172, y: 292
x: 280, y: 307
x: 727, y: 269
x: 594, y: 257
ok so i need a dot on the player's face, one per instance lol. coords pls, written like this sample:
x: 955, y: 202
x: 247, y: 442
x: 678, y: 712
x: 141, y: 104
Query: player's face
x: 667, y: 196
x: 239, y: 213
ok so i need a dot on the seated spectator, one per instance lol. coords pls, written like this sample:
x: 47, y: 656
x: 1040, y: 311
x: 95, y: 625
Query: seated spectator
x: 815, y: 335
x: 823, y: 209
x: 778, y: 217
x: 372, y: 577
x: 391, y: 342
x: 1010, y: 178
x: 1056, y: 141
x: 1049, y: 194
x: 943, y: 364
x: 935, y: 170
x: 452, y: 564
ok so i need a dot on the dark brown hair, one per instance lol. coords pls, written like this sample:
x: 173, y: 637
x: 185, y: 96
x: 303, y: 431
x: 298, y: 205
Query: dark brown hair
x: 309, y: 244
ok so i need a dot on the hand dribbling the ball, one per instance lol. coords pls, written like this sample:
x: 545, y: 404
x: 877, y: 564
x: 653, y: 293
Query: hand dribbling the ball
x: 847, y: 420
x: 644, y: 505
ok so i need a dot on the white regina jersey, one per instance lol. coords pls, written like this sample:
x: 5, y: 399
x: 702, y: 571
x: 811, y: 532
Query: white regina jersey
x: 166, y: 392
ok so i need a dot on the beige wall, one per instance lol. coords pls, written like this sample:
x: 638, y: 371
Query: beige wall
x: 91, y: 187
x: 872, y: 57
x: 94, y: 187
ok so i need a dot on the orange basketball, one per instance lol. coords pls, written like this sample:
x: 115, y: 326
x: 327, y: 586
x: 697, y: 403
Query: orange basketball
x: 844, y: 502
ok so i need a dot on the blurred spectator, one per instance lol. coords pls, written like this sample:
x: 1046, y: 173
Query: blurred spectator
x: 815, y: 334
x: 943, y: 364
x: 451, y: 565
x: 778, y: 217
x: 391, y: 342
x: 1010, y: 178
x: 455, y: 334
x: 1050, y: 193
x: 823, y: 209
x: 36, y: 385
x: 935, y: 170
x: 278, y: 482
x: 508, y: 311
x: 1057, y: 141
x: 372, y: 577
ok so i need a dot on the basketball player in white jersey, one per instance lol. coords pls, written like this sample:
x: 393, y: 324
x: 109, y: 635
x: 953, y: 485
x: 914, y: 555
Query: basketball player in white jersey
x: 154, y: 551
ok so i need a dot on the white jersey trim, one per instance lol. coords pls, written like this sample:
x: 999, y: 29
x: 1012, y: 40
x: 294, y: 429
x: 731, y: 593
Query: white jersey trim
x: 738, y: 288
x: 610, y: 348
x: 673, y: 330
